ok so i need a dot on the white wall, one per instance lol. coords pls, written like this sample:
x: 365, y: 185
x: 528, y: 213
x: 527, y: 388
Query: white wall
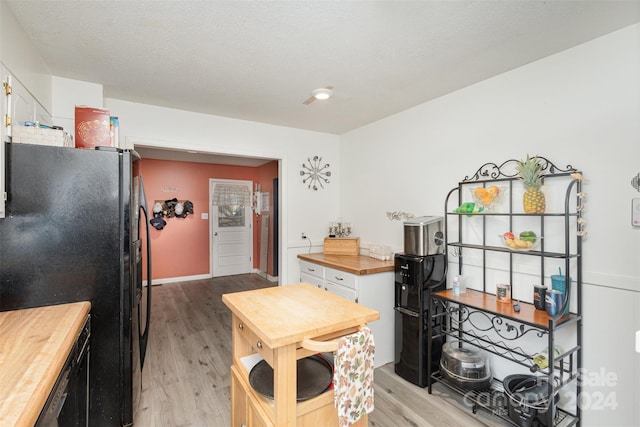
x: 578, y: 107
x: 302, y: 210
x: 68, y: 93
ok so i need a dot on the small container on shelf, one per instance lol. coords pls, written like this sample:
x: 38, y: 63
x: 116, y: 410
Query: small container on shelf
x: 503, y: 292
x: 553, y: 302
x: 559, y: 283
x: 539, y: 294
x: 459, y: 285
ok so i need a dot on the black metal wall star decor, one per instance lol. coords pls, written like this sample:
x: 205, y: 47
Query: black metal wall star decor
x: 635, y: 182
x: 314, y: 173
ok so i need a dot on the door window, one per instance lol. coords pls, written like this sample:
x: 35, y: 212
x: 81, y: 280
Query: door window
x: 231, y: 216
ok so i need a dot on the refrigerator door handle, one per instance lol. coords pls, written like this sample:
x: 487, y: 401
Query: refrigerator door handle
x: 144, y: 337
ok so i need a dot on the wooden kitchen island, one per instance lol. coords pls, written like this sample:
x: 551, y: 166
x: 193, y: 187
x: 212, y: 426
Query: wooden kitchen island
x: 273, y: 323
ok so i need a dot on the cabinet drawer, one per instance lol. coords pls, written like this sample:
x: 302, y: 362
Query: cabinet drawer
x: 314, y: 280
x: 340, y: 277
x: 342, y: 291
x: 311, y: 269
x: 252, y: 339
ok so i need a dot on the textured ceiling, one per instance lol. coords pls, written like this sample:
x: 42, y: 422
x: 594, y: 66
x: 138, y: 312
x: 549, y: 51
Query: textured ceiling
x: 259, y: 60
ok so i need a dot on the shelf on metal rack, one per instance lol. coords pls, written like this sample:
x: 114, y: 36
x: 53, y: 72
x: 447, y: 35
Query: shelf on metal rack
x: 528, y: 314
x: 494, y: 400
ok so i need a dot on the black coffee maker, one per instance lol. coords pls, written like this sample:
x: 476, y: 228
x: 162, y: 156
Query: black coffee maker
x: 420, y: 270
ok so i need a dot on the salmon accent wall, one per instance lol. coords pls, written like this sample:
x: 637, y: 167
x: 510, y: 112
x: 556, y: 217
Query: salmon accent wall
x: 181, y: 248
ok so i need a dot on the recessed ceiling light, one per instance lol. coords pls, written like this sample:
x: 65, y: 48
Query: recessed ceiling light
x: 322, y: 93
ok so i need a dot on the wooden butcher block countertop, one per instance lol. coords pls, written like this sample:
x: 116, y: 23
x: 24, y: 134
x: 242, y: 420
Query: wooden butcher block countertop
x: 284, y: 315
x: 34, y: 344
x: 355, y: 264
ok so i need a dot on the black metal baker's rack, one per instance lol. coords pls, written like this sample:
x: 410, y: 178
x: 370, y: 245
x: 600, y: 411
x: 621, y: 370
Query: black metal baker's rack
x: 478, y: 319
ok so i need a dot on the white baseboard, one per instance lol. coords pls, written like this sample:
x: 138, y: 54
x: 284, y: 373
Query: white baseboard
x: 179, y: 279
x: 266, y: 276
x: 202, y: 277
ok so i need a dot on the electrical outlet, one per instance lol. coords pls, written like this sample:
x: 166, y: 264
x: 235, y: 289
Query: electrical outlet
x: 303, y: 236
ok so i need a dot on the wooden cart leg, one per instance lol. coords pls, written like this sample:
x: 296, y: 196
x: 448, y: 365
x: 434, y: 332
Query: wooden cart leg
x: 284, y: 385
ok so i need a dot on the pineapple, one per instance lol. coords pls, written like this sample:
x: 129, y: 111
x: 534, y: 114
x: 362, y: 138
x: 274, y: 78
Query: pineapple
x: 531, y: 173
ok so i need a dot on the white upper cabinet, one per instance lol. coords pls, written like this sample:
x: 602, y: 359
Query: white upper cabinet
x: 18, y: 107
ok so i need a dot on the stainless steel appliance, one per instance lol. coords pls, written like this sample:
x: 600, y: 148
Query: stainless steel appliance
x: 415, y: 278
x: 68, y: 402
x: 72, y: 233
x: 424, y: 236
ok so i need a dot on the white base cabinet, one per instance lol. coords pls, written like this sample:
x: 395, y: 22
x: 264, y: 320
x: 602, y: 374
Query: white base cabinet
x: 371, y: 290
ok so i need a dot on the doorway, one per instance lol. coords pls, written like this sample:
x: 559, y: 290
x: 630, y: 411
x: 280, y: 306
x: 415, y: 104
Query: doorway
x: 230, y: 227
x: 174, y: 152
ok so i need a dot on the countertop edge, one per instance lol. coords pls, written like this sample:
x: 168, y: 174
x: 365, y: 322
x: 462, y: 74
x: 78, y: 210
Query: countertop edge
x: 31, y: 409
x: 365, y: 265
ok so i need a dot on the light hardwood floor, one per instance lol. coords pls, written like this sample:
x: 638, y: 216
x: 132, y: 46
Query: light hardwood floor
x: 186, y: 378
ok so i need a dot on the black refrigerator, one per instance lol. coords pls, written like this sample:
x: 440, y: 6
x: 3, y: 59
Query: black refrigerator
x: 72, y: 232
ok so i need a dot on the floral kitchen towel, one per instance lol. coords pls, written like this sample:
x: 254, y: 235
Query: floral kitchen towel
x: 353, y: 376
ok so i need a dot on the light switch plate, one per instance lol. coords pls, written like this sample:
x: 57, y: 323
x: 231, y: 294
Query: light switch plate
x: 204, y: 215
x: 635, y: 212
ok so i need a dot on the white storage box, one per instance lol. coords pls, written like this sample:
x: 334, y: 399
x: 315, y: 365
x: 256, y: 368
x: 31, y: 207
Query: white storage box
x: 41, y: 136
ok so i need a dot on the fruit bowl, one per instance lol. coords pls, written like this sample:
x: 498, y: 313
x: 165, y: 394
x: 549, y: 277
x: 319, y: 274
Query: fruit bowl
x: 522, y: 242
x: 488, y: 196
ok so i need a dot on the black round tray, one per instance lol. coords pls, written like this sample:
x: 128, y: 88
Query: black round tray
x: 314, y: 375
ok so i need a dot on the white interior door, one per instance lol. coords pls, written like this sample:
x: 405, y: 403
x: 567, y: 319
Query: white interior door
x: 231, y: 235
